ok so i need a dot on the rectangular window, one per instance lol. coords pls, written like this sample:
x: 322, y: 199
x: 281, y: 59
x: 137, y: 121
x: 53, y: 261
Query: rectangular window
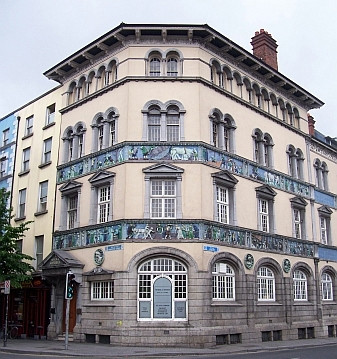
x: 43, y: 192
x: 163, y: 198
x: 5, y: 137
x: 80, y: 146
x: 50, y: 114
x: 39, y: 249
x: 222, y: 204
x: 103, y: 204
x: 22, y: 203
x: 297, y: 223
x: 3, y: 167
x: 323, y: 229
x: 47, y: 144
x: 102, y: 290
x: 263, y: 214
x: 72, y: 211
x: 25, y: 159
x: 29, y: 126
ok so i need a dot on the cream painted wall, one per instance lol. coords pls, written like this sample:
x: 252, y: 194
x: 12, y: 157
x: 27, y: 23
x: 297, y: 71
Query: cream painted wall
x: 42, y: 225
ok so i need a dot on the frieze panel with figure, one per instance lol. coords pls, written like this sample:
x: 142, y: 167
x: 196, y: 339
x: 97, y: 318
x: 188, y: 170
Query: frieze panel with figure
x: 182, y: 230
x: 180, y: 152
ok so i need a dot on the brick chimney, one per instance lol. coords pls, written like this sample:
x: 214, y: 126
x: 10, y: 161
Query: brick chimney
x: 264, y: 47
x: 311, y: 124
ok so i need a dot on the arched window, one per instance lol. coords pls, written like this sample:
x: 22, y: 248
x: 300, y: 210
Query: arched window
x: 321, y: 174
x: 162, y: 290
x: 295, y: 162
x: 300, y: 286
x: 153, y: 122
x: 172, y: 67
x: 265, y: 284
x: 222, y: 130
x: 68, y: 145
x: 263, y: 148
x: 216, y: 75
x: 72, y: 93
x: 223, y: 278
x: 327, y: 289
x: 268, y: 150
x: 155, y: 66
x: 163, y: 122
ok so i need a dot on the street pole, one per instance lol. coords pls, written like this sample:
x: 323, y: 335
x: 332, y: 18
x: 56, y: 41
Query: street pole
x: 66, y: 339
x: 6, y: 322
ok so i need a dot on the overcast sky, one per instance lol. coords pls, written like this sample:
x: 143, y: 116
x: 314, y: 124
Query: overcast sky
x: 37, y: 34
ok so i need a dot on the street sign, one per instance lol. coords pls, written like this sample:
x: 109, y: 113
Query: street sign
x: 7, y: 286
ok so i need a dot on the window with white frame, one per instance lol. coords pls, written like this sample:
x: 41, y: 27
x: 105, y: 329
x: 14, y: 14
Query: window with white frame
x: 162, y: 290
x: 163, y: 191
x: 104, y: 128
x: 101, y: 199
x: 264, y: 215
x: 29, y: 126
x: 265, y: 284
x: 47, y: 145
x: 298, y: 213
x: 3, y: 167
x: 102, y: 290
x: 222, y: 204
x: 163, y: 198
x: 5, y: 137
x: 103, y: 204
x: 323, y: 230
x: 223, y: 278
x: 43, y: 195
x: 300, y: 286
x: 22, y: 203
x: 265, y: 208
x: 72, y: 210
x: 50, y: 114
x: 324, y: 213
x: 25, y: 159
x: 327, y: 288
x: 172, y: 123
x: 39, y: 240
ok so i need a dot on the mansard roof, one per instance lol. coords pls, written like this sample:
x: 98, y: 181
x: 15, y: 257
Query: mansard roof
x: 203, y: 34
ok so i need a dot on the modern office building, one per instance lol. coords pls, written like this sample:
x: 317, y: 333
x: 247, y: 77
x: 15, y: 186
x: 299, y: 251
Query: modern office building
x: 195, y: 201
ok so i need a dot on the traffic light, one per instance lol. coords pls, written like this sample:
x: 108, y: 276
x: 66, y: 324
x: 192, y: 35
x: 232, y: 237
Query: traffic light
x: 70, y: 283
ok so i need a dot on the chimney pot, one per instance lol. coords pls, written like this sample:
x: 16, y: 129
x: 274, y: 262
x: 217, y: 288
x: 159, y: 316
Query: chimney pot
x: 264, y: 47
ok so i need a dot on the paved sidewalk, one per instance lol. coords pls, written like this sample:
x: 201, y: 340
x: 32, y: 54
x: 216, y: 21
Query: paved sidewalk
x: 39, y: 347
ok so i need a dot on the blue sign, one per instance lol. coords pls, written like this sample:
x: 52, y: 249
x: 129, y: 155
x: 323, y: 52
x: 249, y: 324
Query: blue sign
x: 211, y: 249
x: 116, y: 247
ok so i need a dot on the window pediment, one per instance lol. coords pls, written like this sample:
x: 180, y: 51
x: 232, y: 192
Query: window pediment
x: 163, y: 169
x: 101, y: 177
x: 225, y: 178
x: 325, y: 210
x: 265, y: 191
x: 70, y: 186
x: 298, y: 201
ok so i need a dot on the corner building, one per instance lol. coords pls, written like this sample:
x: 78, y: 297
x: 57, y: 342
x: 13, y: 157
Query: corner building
x: 186, y: 194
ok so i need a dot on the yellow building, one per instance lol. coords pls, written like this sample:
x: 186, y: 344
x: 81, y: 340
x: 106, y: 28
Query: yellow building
x: 186, y: 197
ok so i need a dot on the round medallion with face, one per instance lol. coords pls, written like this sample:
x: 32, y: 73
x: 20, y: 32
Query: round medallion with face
x: 99, y: 257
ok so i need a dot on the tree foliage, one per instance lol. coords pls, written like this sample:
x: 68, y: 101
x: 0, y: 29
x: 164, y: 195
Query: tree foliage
x: 14, y: 265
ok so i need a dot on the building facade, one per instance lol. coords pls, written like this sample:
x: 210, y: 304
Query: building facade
x: 33, y: 170
x: 194, y: 200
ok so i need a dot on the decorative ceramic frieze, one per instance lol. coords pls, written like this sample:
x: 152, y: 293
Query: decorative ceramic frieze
x: 179, y: 152
x: 182, y: 230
